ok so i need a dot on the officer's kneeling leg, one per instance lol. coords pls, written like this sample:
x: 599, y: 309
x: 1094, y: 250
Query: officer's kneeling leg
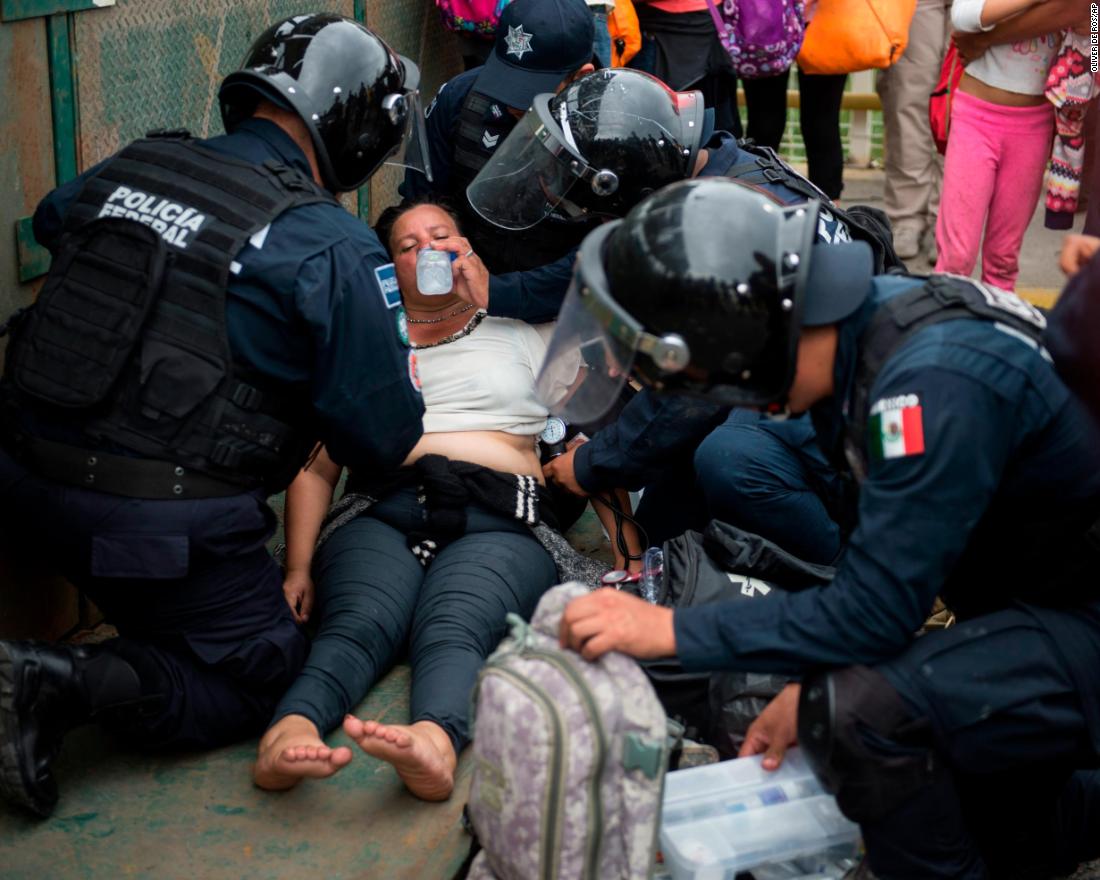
x: 763, y: 477
x: 863, y: 742
x: 869, y: 749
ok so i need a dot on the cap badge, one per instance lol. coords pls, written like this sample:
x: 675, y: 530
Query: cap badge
x: 518, y: 42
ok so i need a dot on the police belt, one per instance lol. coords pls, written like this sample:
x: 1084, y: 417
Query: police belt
x: 117, y: 474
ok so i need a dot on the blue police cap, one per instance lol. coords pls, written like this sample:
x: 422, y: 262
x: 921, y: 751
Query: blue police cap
x: 538, y: 44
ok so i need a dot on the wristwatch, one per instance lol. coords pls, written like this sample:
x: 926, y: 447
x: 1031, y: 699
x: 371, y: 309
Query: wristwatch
x: 552, y: 438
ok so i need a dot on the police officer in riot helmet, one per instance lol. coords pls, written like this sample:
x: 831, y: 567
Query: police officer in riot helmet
x: 540, y: 46
x: 971, y: 751
x: 356, y: 97
x: 211, y: 315
x: 595, y: 149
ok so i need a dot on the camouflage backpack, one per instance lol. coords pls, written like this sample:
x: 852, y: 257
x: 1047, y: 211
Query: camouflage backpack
x: 569, y: 759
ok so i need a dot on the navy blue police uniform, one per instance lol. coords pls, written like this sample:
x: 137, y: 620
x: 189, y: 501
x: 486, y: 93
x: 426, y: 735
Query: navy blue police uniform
x: 698, y: 461
x: 966, y: 750
x: 195, y: 595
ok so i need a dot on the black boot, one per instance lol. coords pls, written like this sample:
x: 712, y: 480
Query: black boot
x: 45, y: 691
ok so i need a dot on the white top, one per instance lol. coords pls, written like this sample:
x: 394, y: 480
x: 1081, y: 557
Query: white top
x: 1016, y: 67
x: 606, y: 4
x: 485, y: 381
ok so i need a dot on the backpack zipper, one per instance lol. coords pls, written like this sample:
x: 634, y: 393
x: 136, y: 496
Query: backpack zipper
x: 550, y: 843
x: 595, y: 802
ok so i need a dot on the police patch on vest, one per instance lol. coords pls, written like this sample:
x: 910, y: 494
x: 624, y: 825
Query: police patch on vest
x: 896, y: 427
x: 177, y: 224
x: 386, y: 276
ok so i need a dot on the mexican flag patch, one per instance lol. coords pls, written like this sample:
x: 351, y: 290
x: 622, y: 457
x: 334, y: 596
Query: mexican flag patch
x: 895, y: 428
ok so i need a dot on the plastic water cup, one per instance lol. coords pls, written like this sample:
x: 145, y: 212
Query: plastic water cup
x: 433, y: 272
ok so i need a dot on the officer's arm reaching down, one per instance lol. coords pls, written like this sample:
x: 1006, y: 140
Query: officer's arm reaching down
x: 916, y: 514
x: 634, y: 450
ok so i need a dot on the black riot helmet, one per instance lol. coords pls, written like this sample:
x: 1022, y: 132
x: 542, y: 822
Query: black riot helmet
x: 701, y: 290
x: 598, y: 147
x: 357, y: 98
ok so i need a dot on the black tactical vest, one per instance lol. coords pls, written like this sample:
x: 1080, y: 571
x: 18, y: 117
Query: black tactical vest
x: 127, y: 341
x: 1049, y: 557
x: 482, y: 125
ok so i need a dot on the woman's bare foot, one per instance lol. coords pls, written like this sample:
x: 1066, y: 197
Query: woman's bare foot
x: 292, y: 750
x: 421, y: 753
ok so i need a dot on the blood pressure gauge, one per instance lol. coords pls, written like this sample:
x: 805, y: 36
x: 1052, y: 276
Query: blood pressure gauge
x: 552, y: 437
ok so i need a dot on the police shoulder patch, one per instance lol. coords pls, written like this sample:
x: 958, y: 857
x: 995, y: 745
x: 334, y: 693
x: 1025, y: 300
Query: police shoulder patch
x: 386, y: 276
x: 896, y: 427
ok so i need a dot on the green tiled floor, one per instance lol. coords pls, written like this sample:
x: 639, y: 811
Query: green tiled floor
x: 198, y: 817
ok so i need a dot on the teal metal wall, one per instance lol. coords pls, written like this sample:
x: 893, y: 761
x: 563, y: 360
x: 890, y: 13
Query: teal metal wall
x: 84, y: 77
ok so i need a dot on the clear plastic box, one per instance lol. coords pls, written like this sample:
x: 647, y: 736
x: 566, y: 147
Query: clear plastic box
x: 736, y: 816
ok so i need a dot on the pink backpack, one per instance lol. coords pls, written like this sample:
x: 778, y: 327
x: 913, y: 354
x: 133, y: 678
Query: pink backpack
x: 479, y: 17
x: 761, y: 36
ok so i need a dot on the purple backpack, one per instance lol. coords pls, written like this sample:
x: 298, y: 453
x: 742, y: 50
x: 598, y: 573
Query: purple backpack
x: 761, y: 36
x: 569, y: 759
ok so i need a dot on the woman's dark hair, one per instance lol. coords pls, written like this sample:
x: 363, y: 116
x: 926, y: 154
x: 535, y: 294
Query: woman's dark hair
x: 384, y: 227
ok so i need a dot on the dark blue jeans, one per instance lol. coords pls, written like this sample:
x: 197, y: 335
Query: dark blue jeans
x: 375, y: 600
x: 766, y: 477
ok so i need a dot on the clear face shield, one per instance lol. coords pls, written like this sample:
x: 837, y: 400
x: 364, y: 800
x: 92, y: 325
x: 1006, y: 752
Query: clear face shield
x: 539, y: 164
x: 405, y: 109
x: 528, y: 175
x: 595, y: 341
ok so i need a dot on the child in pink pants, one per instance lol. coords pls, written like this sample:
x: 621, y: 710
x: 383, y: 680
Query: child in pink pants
x: 999, y: 144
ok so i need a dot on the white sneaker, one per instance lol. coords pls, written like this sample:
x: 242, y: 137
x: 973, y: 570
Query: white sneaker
x: 906, y: 242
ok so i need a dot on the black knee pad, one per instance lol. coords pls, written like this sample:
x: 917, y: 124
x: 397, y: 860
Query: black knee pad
x: 863, y: 742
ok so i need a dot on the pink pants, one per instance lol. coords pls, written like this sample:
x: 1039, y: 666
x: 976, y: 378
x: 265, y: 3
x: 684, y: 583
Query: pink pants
x: 994, y: 168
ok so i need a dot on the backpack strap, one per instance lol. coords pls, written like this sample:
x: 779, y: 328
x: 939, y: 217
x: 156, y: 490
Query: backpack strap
x: 863, y: 222
x: 767, y: 167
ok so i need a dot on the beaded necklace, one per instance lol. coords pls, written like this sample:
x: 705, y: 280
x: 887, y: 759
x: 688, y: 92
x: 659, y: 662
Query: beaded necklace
x: 471, y: 325
x: 460, y: 311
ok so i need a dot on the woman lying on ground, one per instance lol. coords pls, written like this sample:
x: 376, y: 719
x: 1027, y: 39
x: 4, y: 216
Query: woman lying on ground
x: 432, y: 557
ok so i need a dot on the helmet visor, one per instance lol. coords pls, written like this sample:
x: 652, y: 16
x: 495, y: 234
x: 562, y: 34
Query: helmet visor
x: 407, y: 110
x: 586, y: 366
x: 527, y: 177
